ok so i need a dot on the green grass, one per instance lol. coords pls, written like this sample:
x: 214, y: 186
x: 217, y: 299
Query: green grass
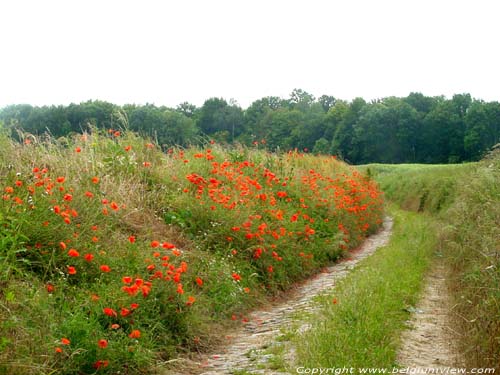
x: 362, y: 329
x: 465, y: 201
x: 244, y: 225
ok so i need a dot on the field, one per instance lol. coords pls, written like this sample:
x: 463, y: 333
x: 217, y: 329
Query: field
x: 117, y: 256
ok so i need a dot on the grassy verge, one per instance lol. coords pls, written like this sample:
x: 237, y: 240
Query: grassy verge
x: 465, y: 200
x: 116, y: 255
x: 359, y: 323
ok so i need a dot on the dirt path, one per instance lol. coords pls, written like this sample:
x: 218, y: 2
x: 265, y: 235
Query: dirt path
x: 244, y: 351
x: 431, y: 342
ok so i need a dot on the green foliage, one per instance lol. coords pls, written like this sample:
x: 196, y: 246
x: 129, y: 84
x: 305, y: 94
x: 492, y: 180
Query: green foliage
x: 464, y: 199
x: 412, y: 129
x: 358, y: 325
x: 115, y: 254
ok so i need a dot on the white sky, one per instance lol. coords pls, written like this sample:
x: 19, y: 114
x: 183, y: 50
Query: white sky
x: 169, y: 51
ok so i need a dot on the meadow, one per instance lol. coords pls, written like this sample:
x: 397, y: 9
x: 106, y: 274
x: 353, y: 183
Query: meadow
x: 117, y: 256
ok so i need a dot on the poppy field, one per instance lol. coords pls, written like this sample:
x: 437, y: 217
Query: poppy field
x: 117, y: 255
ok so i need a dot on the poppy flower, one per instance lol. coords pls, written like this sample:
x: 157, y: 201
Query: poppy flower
x: 127, y: 279
x: 73, y: 253
x: 65, y: 341
x: 124, y: 312
x: 50, y: 288
x: 71, y: 270
x: 190, y: 300
x: 199, y: 281
x: 68, y: 197
x: 78, y: 149
x: 236, y: 276
x: 105, y: 268
x: 95, y: 180
x: 102, y: 343
x: 109, y: 312
x: 58, y: 349
x: 155, y: 243
x: 88, y: 257
x: 101, y: 363
x: 135, y: 334
x: 131, y: 239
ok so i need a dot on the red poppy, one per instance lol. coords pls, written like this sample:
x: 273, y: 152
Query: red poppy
x: 109, y: 312
x: 88, y: 257
x: 135, y: 334
x: 50, y: 288
x: 73, y: 253
x: 102, y: 343
x: 71, y: 270
x: 65, y: 341
x: 95, y: 180
x: 131, y: 239
x: 199, y: 281
x: 105, y: 268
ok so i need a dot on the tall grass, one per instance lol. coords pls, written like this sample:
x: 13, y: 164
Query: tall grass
x: 116, y: 255
x: 465, y: 199
x: 360, y: 321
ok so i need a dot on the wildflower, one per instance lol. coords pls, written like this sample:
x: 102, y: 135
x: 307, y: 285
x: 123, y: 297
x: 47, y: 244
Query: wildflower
x: 58, y: 349
x: 65, y: 341
x: 334, y: 301
x: 105, y: 268
x: 73, y: 253
x: 135, y: 334
x: 115, y: 326
x: 95, y: 180
x: 109, y: 312
x: 155, y: 243
x: 167, y: 245
x: 134, y: 306
x: 101, y: 363
x: 89, y: 194
x: 71, y: 270
x: 179, y: 289
x: 50, y: 288
x: 19, y: 183
x: 88, y: 257
x: 57, y: 209
x: 102, y: 343
x: 124, y: 312
x: 131, y: 239
x: 60, y: 179
x: 127, y: 279
x: 190, y: 300
x: 114, y: 206
x: 78, y: 149
x: 128, y: 148
x: 117, y: 133
x: 95, y: 239
x: 62, y: 245
x: 199, y: 281
x: 68, y: 197
x: 236, y: 276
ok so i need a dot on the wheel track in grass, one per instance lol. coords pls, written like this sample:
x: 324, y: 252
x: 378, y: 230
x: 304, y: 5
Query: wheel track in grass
x: 266, y: 324
x: 431, y: 342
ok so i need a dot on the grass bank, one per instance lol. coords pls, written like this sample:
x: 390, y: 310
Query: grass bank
x: 117, y: 255
x: 360, y: 322
x: 465, y: 201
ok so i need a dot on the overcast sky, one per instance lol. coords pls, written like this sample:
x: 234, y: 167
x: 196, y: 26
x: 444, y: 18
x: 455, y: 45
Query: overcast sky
x: 170, y: 51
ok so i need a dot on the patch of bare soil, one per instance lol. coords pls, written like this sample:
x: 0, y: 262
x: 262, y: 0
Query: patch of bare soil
x: 431, y: 342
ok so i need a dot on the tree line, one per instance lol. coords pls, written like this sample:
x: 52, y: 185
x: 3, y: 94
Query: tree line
x: 412, y: 129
